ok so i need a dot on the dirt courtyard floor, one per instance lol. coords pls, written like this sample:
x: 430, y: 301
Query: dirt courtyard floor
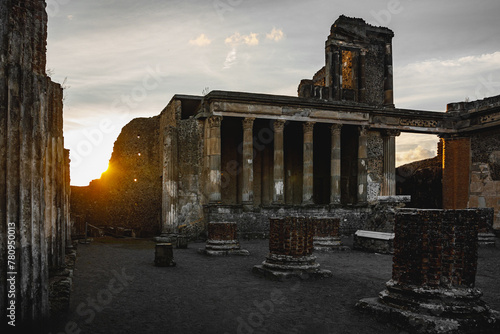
x: 117, y: 289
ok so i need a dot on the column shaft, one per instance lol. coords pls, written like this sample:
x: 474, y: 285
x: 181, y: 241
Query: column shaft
x: 362, y: 170
x: 214, y: 159
x: 389, y: 182
x: 307, y: 172
x: 279, y: 164
x: 247, y: 191
x: 335, y: 164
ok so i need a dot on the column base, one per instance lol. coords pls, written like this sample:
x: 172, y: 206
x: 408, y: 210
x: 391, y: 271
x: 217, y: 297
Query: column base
x: 421, y: 323
x: 282, y: 275
x: 166, y: 238
x: 282, y: 267
x: 433, y: 310
x: 328, y: 244
x: 223, y: 248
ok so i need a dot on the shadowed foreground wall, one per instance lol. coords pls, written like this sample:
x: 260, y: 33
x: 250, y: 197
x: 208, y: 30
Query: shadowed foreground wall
x: 34, y: 167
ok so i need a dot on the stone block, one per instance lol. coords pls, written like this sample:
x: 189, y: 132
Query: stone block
x: 371, y: 241
x: 164, y: 255
x: 476, y: 187
x: 473, y: 201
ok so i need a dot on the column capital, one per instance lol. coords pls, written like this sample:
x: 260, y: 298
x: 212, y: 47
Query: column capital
x: 363, y: 130
x: 308, y: 126
x: 391, y: 133
x: 279, y: 124
x: 248, y: 122
x: 214, y: 121
x: 336, y: 128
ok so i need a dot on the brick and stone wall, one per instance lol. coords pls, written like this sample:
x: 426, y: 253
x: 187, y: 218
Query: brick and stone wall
x: 128, y: 194
x: 436, y: 248
x: 291, y: 236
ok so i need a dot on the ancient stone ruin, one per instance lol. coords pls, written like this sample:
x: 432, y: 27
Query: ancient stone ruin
x: 302, y: 171
x: 290, y: 250
x: 35, y: 230
x: 330, y: 152
x: 222, y: 239
x: 432, y: 289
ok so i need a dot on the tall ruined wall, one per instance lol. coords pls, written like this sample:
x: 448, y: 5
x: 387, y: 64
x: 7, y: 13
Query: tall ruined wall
x: 34, y: 167
x: 128, y: 194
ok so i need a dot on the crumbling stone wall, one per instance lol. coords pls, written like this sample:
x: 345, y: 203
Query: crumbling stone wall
x: 128, y: 194
x: 485, y: 173
x: 422, y: 180
x: 34, y: 167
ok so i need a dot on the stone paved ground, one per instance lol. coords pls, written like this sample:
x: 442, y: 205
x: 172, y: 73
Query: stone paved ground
x: 117, y: 289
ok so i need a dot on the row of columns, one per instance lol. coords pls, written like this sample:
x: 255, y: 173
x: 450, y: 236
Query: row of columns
x: 214, y: 161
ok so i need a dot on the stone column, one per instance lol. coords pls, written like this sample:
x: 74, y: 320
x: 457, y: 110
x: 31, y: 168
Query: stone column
x: 279, y: 164
x: 389, y: 143
x: 170, y: 195
x: 247, y: 191
x: 307, y: 172
x: 362, y: 171
x: 335, y: 164
x: 214, y: 159
x: 388, y: 80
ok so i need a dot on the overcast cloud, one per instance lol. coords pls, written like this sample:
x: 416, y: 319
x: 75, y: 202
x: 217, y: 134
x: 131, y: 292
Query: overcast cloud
x: 125, y: 59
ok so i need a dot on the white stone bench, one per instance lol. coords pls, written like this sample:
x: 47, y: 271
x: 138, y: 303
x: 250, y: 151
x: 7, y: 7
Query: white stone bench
x: 373, y: 241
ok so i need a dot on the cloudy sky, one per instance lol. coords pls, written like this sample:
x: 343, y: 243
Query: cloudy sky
x: 121, y: 59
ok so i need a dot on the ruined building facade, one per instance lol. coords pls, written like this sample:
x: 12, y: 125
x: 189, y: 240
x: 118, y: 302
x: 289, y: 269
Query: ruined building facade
x: 231, y: 156
x: 34, y: 166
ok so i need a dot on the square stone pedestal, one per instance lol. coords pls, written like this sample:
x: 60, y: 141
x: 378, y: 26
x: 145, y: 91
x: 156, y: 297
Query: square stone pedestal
x: 164, y: 255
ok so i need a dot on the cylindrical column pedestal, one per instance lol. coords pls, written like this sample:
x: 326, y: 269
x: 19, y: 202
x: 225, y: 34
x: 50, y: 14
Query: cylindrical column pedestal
x: 223, y: 240
x: 326, y: 234
x: 290, y: 250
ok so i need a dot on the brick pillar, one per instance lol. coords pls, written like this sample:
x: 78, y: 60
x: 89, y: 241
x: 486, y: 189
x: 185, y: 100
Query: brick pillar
x: 247, y: 191
x: 279, y: 163
x: 307, y: 172
x: 326, y: 233
x: 335, y: 165
x: 214, y: 159
x: 222, y: 240
x: 456, y: 169
x: 362, y: 170
x: 290, y: 250
x: 434, y: 273
x: 389, y: 168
